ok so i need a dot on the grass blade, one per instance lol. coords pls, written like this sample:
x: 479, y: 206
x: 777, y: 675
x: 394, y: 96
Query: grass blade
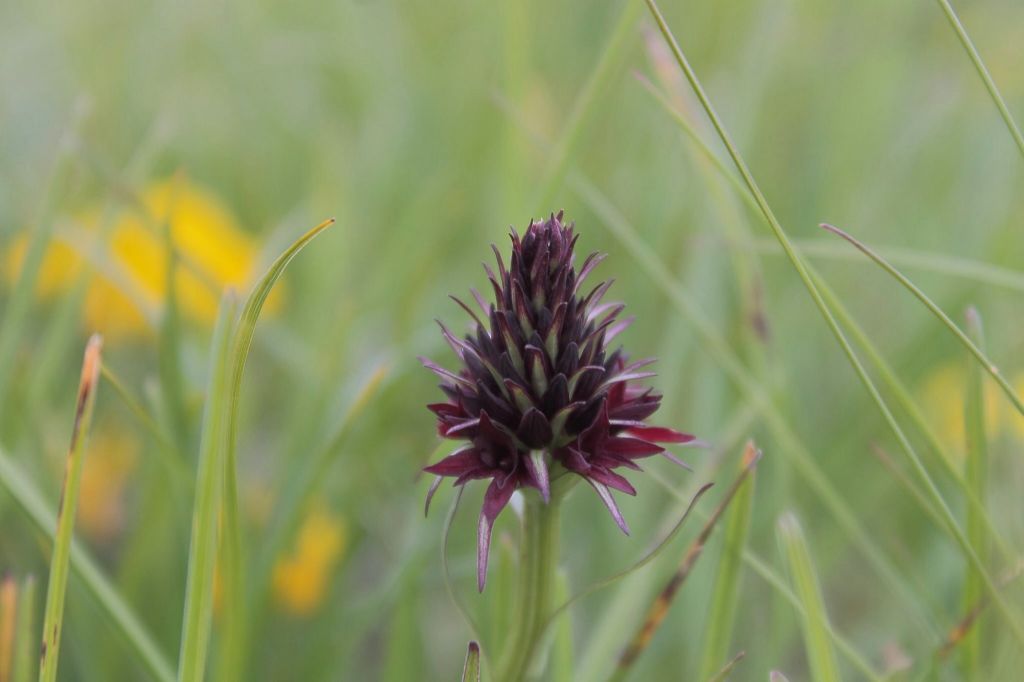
x: 903, y: 395
x: 976, y: 473
x: 611, y: 56
x: 724, y: 673
x: 471, y: 669
x: 646, y: 559
x: 986, y: 77
x: 805, y: 276
x: 722, y: 611
x: 59, y: 563
x: 962, y: 336
x: 28, y: 497
x: 235, y: 622
x: 659, y: 609
x: 820, y: 655
x: 24, y: 632
x: 195, y: 627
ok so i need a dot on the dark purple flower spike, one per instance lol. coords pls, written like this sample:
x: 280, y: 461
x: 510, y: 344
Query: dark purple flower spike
x: 538, y: 388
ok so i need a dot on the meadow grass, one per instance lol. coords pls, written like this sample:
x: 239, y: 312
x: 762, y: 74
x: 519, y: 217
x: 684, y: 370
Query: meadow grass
x: 252, y: 492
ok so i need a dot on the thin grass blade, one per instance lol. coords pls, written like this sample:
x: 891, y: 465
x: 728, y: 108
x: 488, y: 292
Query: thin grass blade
x: 56, y: 589
x: 962, y: 336
x: 659, y: 609
x: 722, y: 611
x: 986, y: 77
x: 28, y: 497
x: 195, y: 628
x: 726, y: 670
x: 235, y: 623
x: 820, y: 656
x: 1008, y: 615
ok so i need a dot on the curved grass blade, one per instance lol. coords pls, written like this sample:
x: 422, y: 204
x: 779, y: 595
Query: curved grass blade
x: 1007, y: 614
x: 820, y: 655
x: 195, y: 627
x: 235, y: 613
x: 28, y: 497
x: 646, y: 559
x: 57, y: 584
x: 962, y: 336
x: 762, y: 569
x: 659, y: 609
x: 986, y: 77
x: 759, y: 396
x: 885, y: 371
x: 977, y: 271
x: 471, y: 669
x: 722, y: 610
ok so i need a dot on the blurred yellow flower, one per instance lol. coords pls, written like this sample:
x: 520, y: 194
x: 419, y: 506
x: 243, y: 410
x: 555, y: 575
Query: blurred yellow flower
x: 112, y: 458
x: 302, y: 578
x: 943, y: 394
x: 129, y: 282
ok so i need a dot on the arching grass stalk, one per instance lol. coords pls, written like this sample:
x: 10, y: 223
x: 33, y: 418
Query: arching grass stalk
x: 960, y: 334
x: 1004, y: 609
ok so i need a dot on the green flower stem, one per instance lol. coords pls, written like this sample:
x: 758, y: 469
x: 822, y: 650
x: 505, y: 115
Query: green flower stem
x: 537, y: 574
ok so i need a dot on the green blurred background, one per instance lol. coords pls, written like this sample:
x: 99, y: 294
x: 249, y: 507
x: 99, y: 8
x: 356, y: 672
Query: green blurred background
x: 426, y: 129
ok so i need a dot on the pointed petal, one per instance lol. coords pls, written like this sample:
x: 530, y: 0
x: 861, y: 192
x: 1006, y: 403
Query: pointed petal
x: 660, y: 434
x: 619, y: 327
x: 537, y: 465
x: 628, y: 376
x: 468, y: 424
x: 445, y: 374
x: 630, y: 447
x: 457, y: 463
x: 609, y: 502
x: 611, y: 479
x: 495, y: 500
x: 592, y: 261
x: 430, y: 494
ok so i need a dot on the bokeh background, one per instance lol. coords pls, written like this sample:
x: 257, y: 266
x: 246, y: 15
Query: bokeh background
x: 427, y: 129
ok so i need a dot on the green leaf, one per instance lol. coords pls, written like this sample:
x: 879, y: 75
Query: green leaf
x: 471, y: 669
